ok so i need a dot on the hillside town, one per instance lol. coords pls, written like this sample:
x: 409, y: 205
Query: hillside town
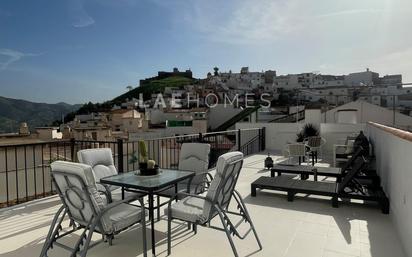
x: 220, y: 100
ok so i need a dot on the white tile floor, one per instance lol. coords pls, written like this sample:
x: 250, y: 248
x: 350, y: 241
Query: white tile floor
x: 307, y: 227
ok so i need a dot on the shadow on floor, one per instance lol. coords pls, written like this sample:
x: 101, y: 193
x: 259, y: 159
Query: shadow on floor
x: 378, y: 232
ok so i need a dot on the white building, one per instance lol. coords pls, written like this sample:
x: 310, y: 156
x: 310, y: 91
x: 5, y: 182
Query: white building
x: 245, y: 79
x: 367, y: 78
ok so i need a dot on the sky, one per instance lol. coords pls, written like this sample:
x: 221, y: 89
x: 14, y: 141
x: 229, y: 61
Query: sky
x: 77, y: 51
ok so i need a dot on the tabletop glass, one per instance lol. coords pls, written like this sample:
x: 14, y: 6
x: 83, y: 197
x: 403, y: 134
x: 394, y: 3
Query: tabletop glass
x: 131, y: 180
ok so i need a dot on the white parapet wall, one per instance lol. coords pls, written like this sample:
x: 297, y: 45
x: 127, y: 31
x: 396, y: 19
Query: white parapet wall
x: 278, y: 135
x: 393, y: 148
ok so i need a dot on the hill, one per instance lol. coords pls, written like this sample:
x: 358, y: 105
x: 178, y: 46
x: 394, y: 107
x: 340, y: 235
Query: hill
x: 149, y: 87
x: 15, y: 111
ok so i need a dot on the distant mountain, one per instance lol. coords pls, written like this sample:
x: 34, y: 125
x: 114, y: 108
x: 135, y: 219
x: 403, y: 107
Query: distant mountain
x: 15, y: 111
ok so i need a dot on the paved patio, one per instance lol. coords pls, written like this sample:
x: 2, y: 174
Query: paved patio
x: 307, y: 227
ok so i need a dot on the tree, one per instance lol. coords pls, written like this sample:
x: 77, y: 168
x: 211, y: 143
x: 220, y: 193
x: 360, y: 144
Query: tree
x: 129, y: 88
x: 216, y: 69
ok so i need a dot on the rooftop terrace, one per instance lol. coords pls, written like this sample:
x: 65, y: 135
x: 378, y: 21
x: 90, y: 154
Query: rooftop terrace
x: 309, y: 226
x: 306, y: 227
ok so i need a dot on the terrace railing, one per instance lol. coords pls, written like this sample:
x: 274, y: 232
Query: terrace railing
x: 25, y: 168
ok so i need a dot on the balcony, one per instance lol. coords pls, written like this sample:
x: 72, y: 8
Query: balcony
x: 309, y: 226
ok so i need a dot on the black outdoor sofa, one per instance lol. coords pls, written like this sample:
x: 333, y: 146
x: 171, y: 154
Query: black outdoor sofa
x: 351, y: 185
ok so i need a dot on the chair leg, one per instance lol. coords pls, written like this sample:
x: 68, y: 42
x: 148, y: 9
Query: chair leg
x: 110, y: 239
x: 169, y: 232
x: 227, y: 231
x: 143, y: 221
x: 85, y: 240
x: 195, y: 228
x: 55, y: 227
x: 247, y: 216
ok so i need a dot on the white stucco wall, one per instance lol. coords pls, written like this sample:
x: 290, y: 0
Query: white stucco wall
x: 221, y: 113
x: 393, y: 164
x: 313, y: 116
x: 278, y: 135
x: 369, y: 112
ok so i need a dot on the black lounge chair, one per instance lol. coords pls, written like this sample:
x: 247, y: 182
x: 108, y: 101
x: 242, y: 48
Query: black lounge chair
x: 349, y: 188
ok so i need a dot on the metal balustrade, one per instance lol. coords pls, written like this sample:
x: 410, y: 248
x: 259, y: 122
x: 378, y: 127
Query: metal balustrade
x: 25, y: 168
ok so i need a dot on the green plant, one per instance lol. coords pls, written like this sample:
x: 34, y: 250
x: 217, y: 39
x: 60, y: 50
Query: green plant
x: 309, y: 130
x: 133, y: 158
x: 142, y: 148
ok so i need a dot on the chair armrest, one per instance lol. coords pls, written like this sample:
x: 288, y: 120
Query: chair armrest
x: 339, y: 145
x: 341, y: 141
x: 186, y: 195
x: 107, y: 192
x: 126, y: 200
x: 209, y: 178
x: 339, y: 149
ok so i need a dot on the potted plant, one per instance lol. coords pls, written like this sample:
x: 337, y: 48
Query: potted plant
x: 309, y: 130
x: 147, y: 167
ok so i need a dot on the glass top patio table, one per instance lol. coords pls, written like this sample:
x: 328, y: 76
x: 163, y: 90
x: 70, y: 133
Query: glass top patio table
x: 152, y: 183
x: 149, y: 185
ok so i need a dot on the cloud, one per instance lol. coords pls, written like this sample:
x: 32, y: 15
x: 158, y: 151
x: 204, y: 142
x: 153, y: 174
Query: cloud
x: 351, y: 12
x: 265, y: 21
x: 246, y: 22
x: 78, y: 14
x: 12, y: 57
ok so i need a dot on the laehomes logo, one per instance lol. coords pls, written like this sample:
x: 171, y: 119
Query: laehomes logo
x: 211, y: 100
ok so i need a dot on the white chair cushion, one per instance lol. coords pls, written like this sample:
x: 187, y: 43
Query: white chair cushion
x: 101, y: 160
x: 194, y: 209
x: 188, y: 209
x: 121, y: 217
x: 96, y: 156
x: 223, y: 161
x: 85, y: 173
x: 194, y: 157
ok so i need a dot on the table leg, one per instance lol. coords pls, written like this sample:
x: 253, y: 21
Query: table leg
x: 151, y: 217
x: 176, y: 191
x: 158, y: 208
x: 313, y: 158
